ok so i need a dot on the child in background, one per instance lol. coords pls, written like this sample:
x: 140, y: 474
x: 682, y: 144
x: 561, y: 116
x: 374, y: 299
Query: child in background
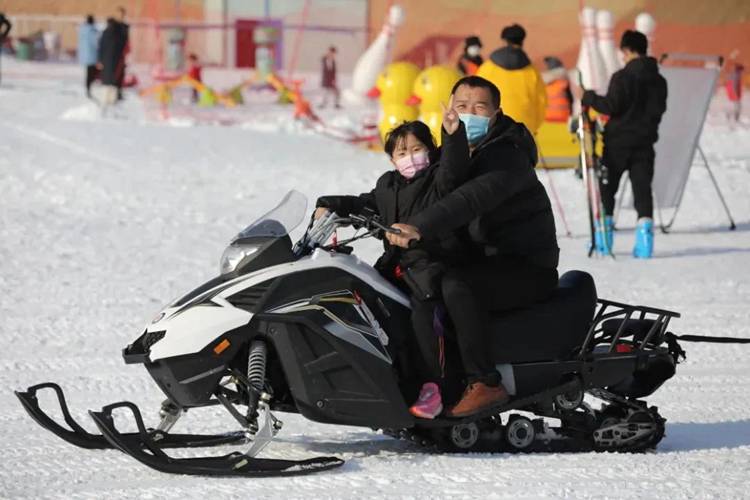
x: 194, y: 71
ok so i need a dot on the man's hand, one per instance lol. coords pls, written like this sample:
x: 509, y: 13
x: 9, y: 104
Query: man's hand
x: 402, y: 240
x: 99, y: 66
x: 450, y: 117
x: 320, y: 212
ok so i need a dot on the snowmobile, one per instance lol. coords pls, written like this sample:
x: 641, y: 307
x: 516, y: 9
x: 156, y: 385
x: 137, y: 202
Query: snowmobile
x: 309, y: 328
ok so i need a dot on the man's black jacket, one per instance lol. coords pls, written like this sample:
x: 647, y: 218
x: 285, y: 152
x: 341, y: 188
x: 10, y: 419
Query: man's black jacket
x: 635, y: 102
x: 504, y: 205
x: 395, y: 198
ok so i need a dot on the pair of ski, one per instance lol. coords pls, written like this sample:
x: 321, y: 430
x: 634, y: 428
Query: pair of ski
x: 593, y: 175
x: 148, y: 445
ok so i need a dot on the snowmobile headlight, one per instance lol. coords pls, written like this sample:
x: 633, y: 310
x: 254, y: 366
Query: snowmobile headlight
x: 234, y: 255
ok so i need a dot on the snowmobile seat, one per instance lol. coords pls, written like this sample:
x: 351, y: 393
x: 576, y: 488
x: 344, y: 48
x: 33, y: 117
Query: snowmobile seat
x: 549, y: 330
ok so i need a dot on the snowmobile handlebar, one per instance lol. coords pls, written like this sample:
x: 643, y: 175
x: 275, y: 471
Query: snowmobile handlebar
x: 320, y: 231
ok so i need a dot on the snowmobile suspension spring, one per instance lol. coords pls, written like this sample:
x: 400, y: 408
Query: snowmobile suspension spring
x: 256, y: 364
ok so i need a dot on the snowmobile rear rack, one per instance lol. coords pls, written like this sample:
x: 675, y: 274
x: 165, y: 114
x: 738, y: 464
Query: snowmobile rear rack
x: 614, y: 321
x: 78, y: 436
x: 234, y: 464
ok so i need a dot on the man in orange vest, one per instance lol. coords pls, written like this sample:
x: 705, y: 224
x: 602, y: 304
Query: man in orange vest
x: 557, y: 86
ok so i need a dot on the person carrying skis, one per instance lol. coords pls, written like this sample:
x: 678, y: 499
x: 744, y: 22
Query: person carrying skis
x: 510, y: 69
x: 422, y: 175
x: 512, y: 252
x: 635, y: 102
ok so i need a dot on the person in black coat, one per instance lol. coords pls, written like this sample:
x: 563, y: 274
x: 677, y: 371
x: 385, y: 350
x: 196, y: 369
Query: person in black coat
x: 109, y: 57
x: 513, y: 247
x: 635, y: 102
x: 5, y: 27
x: 423, y: 175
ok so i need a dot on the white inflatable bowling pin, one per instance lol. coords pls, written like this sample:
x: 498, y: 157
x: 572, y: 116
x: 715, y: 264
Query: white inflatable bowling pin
x: 605, y: 42
x: 646, y: 24
x: 590, y: 63
x: 375, y: 58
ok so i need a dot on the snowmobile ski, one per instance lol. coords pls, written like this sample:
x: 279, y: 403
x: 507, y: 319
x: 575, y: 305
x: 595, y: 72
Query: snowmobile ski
x: 233, y: 464
x: 78, y: 436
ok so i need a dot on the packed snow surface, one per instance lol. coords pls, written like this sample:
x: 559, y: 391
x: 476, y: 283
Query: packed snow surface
x: 104, y: 220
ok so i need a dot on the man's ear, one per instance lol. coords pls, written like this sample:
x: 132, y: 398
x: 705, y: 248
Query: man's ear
x: 496, y: 116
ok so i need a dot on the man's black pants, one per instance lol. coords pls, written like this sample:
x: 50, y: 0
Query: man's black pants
x: 470, y: 293
x: 91, y: 74
x: 640, y: 165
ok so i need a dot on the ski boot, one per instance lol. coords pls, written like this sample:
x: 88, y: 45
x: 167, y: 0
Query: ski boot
x: 644, y: 238
x: 604, y: 235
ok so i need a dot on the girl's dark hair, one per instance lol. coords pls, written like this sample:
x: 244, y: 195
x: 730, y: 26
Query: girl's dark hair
x: 420, y: 131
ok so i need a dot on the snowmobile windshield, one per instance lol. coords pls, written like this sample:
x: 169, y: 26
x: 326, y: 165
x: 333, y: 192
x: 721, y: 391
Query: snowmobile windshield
x: 280, y: 221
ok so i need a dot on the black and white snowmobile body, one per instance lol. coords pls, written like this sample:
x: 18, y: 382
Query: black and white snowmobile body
x: 311, y: 329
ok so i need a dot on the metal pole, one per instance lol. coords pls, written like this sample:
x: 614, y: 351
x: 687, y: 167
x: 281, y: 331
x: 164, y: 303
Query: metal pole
x: 732, y: 225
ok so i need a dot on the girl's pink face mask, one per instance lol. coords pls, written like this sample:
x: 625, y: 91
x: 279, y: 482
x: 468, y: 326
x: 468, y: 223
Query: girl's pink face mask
x: 408, y: 166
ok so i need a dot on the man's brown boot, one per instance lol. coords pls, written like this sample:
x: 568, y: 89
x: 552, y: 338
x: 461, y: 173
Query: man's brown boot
x: 477, y: 397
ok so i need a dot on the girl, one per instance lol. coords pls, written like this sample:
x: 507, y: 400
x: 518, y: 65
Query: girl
x: 422, y: 175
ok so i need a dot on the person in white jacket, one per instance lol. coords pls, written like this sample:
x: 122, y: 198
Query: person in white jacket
x: 88, y: 40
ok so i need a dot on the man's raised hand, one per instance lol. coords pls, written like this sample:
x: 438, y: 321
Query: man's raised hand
x: 450, y: 117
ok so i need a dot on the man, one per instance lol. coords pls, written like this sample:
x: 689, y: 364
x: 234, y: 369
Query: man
x: 471, y: 59
x: 88, y: 38
x: 635, y: 102
x: 510, y: 69
x: 328, y: 78
x: 109, y: 61
x: 123, y: 40
x: 508, y: 217
x: 5, y: 27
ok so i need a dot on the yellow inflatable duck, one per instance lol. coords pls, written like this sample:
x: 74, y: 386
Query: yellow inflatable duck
x: 393, y: 87
x: 433, y: 87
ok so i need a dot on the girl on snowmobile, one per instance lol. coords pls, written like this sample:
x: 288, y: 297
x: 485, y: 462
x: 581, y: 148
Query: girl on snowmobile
x: 423, y: 174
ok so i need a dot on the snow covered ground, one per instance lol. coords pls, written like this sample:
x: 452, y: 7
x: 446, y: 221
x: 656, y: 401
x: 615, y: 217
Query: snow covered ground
x: 102, y: 221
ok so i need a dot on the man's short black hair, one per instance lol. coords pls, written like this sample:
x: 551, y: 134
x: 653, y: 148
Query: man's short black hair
x: 89, y: 19
x: 514, y: 34
x: 477, y: 81
x: 634, y: 41
x: 420, y: 131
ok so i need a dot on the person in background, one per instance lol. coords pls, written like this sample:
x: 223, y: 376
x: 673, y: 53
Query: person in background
x: 123, y: 35
x: 328, y: 78
x: 559, y: 96
x: 509, y: 68
x: 88, y: 40
x: 635, y: 102
x: 471, y: 59
x: 109, y: 60
x: 194, y: 71
x: 5, y: 27
x: 733, y: 86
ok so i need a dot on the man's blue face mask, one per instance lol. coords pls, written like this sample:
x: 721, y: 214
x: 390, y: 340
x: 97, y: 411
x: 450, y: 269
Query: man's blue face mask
x: 476, y: 126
